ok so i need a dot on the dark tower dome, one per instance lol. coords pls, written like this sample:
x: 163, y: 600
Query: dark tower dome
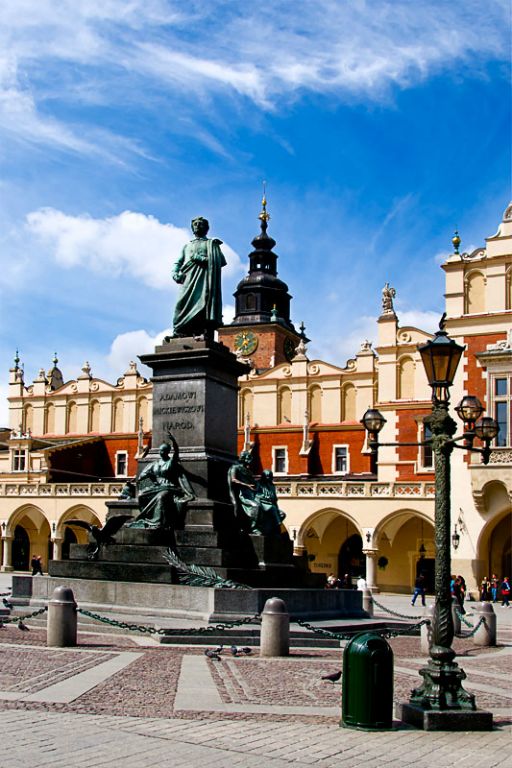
x: 261, y: 297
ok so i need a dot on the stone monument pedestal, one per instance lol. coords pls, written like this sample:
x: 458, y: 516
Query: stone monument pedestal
x: 195, y: 386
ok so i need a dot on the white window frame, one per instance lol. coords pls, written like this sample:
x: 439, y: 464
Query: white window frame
x: 494, y: 399
x: 347, y: 457
x: 274, y: 467
x: 118, y: 455
x: 17, y: 454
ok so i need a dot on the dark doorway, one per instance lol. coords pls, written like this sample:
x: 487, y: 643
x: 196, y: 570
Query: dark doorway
x: 20, y: 549
x: 351, y: 559
x: 426, y: 566
x: 69, y: 538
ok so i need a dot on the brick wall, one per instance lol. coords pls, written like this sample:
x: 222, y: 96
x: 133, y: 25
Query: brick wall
x: 408, y: 432
x: 320, y: 458
x: 474, y: 378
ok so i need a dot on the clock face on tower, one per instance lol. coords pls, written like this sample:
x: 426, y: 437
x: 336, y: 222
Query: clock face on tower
x: 289, y: 349
x: 246, y: 342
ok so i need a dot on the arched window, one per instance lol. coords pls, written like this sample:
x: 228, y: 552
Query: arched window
x: 28, y: 419
x: 94, y: 416
x: 315, y: 404
x: 72, y: 417
x: 246, y: 401
x: 142, y: 413
x: 474, y: 293
x: 118, y: 416
x: 49, y: 419
x: 405, y: 379
x: 284, y: 406
x: 348, y: 403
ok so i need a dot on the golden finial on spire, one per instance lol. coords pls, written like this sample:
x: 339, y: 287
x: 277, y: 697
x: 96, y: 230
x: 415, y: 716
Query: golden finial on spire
x: 456, y: 242
x: 264, y: 216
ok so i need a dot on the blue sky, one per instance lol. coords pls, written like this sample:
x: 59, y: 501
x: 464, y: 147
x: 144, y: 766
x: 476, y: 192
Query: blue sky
x: 379, y: 127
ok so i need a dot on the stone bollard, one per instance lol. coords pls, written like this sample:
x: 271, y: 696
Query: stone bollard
x: 426, y: 629
x: 275, y: 629
x: 61, y: 618
x: 456, y: 616
x: 368, y: 602
x: 486, y: 633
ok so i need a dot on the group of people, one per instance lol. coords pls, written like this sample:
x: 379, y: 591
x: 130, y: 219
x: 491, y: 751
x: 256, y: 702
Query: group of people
x: 494, y: 588
x: 333, y: 582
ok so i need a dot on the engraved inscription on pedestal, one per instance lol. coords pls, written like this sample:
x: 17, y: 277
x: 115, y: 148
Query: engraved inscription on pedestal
x: 180, y: 412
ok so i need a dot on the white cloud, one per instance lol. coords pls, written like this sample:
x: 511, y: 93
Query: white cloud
x: 427, y: 320
x: 127, y: 347
x: 131, y: 244
x: 78, y: 52
x: 339, y: 349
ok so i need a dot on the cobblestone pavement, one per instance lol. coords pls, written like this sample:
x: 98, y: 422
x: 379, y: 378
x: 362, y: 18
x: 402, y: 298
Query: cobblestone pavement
x: 125, y: 698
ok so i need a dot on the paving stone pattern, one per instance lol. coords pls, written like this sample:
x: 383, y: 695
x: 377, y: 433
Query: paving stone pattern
x: 249, y: 712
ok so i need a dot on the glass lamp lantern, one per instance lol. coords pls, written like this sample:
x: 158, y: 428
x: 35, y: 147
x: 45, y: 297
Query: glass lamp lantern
x: 440, y: 357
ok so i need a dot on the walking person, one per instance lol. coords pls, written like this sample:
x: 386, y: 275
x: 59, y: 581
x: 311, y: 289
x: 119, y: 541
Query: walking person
x: 485, y: 590
x: 458, y: 592
x: 505, y: 592
x: 495, y: 583
x: 35, y: 564
x: 419, y: 589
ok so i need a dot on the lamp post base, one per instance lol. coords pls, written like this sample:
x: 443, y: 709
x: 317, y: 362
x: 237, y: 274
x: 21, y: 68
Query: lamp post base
x: 444, y: 720
x: 441, y: 703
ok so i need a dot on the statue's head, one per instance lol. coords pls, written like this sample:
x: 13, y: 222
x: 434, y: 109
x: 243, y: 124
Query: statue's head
x: 267, y: 476
x: 200, y: 226
x: 164, y: 450
x: 245, y: 458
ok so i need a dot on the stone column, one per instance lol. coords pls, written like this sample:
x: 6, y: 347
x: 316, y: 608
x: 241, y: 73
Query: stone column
x: 57, y: 547
x: 7, y: 554
x: 371, y: 557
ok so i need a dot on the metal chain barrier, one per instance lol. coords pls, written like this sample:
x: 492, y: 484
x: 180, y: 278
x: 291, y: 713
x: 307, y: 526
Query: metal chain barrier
x: 388, y: 610
x: 5, y: 594
x: 16, y: 619
x: 144, y: 629
x: 473, y: 631
x: 348, y: 635
x: 463, y: 619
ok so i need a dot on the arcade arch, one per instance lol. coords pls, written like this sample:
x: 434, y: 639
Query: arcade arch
x: 494, y: 543
x: 333, y: 543
x: 28, y: 534
x: 404, y: 539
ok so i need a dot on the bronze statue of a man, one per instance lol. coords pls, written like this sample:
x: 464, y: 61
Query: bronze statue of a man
x: 198, y: 308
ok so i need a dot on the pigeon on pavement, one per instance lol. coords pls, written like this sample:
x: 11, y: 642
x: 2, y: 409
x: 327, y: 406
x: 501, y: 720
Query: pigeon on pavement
x: 333, y: 677
x: 212, y: 654
x: 22, y: 626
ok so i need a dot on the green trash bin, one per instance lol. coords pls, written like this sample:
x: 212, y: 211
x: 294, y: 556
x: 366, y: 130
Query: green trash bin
x: 367, y: 683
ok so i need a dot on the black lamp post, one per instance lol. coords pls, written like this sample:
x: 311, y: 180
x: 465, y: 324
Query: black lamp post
x: 441, y: 690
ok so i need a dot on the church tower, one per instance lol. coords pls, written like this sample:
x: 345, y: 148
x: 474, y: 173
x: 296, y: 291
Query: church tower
x: 262, y: 332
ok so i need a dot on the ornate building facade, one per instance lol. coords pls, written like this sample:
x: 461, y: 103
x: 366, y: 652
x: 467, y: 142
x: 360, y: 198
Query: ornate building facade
x: 72, y: 444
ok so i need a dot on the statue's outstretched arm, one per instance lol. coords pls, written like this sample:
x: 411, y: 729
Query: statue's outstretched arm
x: 175, y: 447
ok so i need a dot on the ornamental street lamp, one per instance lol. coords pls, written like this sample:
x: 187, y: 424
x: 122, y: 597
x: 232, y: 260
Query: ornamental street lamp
x: 441, y: 690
